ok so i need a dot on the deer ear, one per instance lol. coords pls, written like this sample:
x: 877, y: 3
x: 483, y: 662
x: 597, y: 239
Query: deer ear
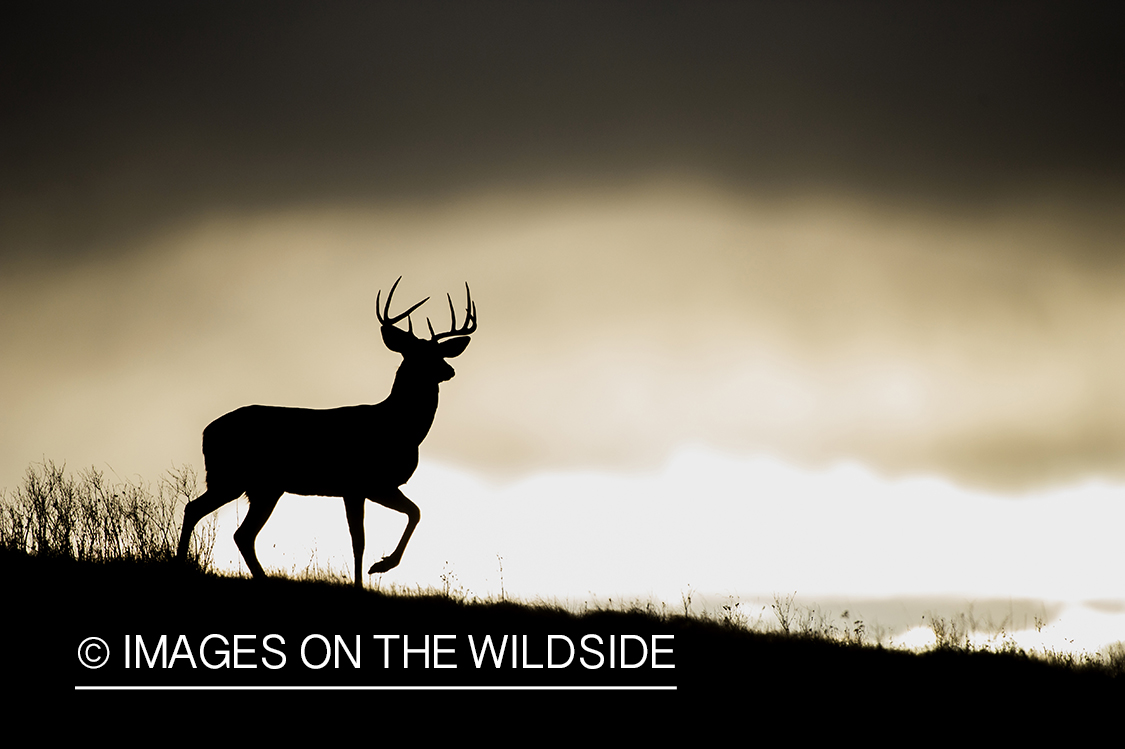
x: 397, y: 340
x: 453, y: 347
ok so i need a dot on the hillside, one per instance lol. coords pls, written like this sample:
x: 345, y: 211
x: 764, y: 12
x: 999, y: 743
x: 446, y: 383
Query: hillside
x: 201, y: 630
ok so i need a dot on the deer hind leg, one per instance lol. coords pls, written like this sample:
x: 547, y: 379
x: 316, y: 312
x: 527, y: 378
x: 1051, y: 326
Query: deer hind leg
x: 396, y: 500
x: 353, y: 506
x: 261, y: 507
x: 199, y: 508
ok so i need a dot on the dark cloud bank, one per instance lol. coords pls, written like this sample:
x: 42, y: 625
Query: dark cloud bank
x: 119, y: 117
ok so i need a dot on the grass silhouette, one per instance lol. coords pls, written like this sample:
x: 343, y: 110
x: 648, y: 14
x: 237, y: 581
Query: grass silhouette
x: 98, y: 557
x: 89, y: 518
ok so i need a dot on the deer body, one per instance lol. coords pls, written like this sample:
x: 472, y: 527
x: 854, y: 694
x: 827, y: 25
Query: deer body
x: 328, y: 453
x: 354, y: 452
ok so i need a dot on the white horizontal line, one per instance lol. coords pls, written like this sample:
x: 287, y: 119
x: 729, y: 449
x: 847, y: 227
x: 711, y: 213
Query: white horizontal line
x: 113, y: 688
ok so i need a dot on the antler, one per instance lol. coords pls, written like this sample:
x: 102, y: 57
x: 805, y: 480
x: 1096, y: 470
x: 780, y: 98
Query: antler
x: 470, y: 318
x: 386, y: 319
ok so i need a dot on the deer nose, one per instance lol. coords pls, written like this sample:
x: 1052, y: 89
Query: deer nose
x: 445, y: 372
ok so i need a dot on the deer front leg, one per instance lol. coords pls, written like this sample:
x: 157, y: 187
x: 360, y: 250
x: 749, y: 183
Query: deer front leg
x: 353, y: 506
x: 396, y: 500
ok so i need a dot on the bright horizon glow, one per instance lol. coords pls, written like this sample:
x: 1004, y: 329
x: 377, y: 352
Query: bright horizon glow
x: 744, y: 528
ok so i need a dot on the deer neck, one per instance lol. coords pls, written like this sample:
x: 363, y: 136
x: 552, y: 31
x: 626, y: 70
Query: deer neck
x: 415, y: 400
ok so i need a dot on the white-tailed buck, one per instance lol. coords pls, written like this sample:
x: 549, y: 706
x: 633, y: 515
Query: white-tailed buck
x: 356, y: 452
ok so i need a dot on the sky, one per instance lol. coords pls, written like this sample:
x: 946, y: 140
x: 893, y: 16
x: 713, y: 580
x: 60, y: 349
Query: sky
x: 773, y: 297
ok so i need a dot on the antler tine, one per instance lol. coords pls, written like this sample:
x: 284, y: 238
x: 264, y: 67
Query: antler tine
x: 470, y: 318
x: 470, y: 310
x: 385, y: 317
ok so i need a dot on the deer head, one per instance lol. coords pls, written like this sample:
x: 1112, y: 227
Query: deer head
x: 426, y: 357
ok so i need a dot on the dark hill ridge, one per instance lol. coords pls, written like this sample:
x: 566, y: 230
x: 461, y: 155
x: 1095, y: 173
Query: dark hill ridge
x: 199, y: 630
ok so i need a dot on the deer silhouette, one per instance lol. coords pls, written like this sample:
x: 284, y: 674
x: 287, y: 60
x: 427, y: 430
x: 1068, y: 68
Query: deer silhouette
x: 355, y: 452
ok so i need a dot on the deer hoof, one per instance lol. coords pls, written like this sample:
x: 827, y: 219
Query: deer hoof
x: 384, y: 564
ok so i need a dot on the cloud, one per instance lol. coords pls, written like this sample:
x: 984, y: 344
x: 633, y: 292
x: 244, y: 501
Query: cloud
x: 615, y: 325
